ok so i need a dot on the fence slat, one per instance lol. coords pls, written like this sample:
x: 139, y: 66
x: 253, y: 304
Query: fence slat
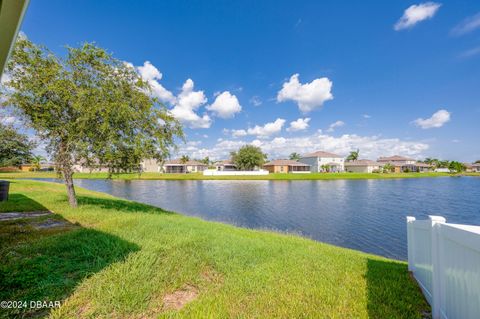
x: 445, y: 260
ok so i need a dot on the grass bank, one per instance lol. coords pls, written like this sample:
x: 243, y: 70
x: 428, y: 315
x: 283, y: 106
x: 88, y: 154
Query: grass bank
x: 199, y: 176
x: 121, y: 259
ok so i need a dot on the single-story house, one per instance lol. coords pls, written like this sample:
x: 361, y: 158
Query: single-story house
x: 177, y: 166
x: 321, y: 161
x: 468, y: 167
x: 96, y: 167
x: 404, y: 164
x: 423, y: 167
x: 225, y: 165
x: 43, y: 167
x: 286, y: 166
x: 416, y: 167
x: 362, y: 166
x: 476, y: 167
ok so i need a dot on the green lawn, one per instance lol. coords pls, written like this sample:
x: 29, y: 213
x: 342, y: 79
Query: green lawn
x: 121, y: 259
x: 199, y: 176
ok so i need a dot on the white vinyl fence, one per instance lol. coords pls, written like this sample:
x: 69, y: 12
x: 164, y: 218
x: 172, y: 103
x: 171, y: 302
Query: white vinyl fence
x: 445, y: 260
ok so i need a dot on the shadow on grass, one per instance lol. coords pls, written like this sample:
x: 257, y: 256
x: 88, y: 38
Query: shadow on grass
x: 20, y: 203
x: 47, y: 264
x: 392, y: 293
x: 120, y: 205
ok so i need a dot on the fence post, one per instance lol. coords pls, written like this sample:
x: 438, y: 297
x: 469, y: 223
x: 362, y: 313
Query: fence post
x: 410, y: 243
x: 436, y: 265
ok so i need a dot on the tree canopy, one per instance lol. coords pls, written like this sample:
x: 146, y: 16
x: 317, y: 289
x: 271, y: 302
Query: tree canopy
x: 15, y: 148
x: 248, y: 157
x: 353, y: 156
x: 295, y: 156
x: 89, y: 108
x: 456, y: 166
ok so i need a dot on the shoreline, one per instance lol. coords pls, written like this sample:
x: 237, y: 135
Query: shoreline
x: 199, y: 176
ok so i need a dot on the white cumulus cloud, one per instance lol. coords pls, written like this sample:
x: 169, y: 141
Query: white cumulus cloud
x: 334, y: 125
x: 417, y: 13
x: 438, y: 119
x: 260, y: 131
x: 308, y: 96
x: 268, y: 129
x: 152, y: 75
x: 468, y: 25
x: 299, y: 125
x: 225, y: 105
x: 371, y: 147
x: 187, y: 103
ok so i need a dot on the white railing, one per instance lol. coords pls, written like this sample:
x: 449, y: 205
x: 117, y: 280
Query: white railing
x: 445, y: 260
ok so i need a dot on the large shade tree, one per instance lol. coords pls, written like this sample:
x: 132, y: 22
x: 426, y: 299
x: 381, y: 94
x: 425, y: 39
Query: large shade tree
x: 89, y: 108
x: 15, y: 148
x: 248, y: 157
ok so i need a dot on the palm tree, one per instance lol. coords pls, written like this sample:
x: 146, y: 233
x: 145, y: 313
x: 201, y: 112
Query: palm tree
x: 353, y: 155
x: 443, y: 164
x: 206, y: 160
x: 431, y: 161
x: 36, y: 162
x: 295, y: 156
x: 184, y: 159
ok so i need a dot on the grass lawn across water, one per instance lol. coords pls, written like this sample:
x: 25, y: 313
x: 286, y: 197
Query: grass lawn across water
x: 120, y: 259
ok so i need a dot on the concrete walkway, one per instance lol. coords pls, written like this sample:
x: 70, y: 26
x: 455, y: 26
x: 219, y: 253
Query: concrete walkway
x: 19, y: 215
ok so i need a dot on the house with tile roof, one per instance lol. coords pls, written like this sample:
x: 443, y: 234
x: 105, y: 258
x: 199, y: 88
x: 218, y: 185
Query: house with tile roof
x: 225, y: 165
x: 286, y: 166
x: 404, y: 164
x: 362, y: 166
x: 476, y: 167
x: 179, y: 166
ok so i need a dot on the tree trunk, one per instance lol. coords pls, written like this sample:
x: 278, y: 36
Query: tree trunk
x: 65, y: 163
x: 68, y: 177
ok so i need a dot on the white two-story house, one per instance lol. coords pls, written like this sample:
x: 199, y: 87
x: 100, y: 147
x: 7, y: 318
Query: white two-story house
x: 323, y: 161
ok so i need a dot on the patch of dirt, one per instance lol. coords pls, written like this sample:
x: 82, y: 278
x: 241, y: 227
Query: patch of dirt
x: 212, y: 276
x: 20, y: 215
x: 179, y: 298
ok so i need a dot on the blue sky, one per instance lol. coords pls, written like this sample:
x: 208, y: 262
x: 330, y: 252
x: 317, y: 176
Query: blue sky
x: 264, y: 64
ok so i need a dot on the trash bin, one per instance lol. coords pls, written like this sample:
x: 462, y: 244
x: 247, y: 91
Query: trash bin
x: 4, y: 186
